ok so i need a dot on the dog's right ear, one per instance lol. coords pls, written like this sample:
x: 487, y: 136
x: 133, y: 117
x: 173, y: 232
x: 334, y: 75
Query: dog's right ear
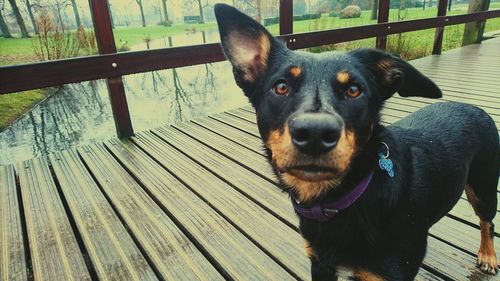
x: 246, y: 43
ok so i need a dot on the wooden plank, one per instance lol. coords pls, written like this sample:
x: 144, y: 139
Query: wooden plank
x: 237, y: 123
x: 424, y: 275
x: 172, y: 253
x: 253, y: 186
x: 453, y: 263
x: 55, y: 253
x: 270, y: 233
x: 12, y: 255
x: 460, y: 235
x: 231, y: 150
x: 249, y: 141
x: 236, y: 255
x: 111, y: 249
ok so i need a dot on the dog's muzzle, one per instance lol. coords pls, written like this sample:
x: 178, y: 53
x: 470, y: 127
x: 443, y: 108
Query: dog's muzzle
x: 315, y: 133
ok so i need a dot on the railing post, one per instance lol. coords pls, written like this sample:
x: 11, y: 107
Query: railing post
x: 286, y: 17
x: 383, y: 16
x: 106, y: 44
x: 438, y: 37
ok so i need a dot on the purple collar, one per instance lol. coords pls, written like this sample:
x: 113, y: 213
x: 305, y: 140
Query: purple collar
x: 324, y: 212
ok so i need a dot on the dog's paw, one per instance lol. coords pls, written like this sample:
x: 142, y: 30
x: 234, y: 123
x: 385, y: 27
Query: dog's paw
x: 487, y: 262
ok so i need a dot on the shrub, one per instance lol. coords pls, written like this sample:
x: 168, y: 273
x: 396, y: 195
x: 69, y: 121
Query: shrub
x: 52, y: 43
x: 406, y: 49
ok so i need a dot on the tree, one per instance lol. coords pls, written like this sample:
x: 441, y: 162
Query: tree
x: 77, y: 15
x: 19, y: 19
x: 473, y: 31
x: 165, y: 11
x: 374, y: 15
x: 200, y: 9
x: 3, y: 24
x: 3, y: 27
x: 29, y: 8
x: 139, y: 2
x: 111, y: 15
x: 255, y: 4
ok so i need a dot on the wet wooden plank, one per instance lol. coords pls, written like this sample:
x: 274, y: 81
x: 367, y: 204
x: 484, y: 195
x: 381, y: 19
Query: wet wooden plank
x: 172, y: 253
x: 237, y: 123
x: 231, y: 150
x: 452, y: 262
x: 12, y: 255
x: 249, y: 184
x: 112, y: 251
x: 249, y: 141
x: 236, y: 255
x: 269, y: 232
x: 55, y: 253
x: 458, y: 234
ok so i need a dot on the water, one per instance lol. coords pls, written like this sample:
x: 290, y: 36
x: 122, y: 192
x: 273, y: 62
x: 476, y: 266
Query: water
x: 80, y: 113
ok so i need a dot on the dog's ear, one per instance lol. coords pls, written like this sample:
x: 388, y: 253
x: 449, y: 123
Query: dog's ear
x: 395, y: 75
x: 246, y: 44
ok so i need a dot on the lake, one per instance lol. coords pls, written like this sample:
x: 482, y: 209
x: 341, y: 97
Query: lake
x: 80, y: 113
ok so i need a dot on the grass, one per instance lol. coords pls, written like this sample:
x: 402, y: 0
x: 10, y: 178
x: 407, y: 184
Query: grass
x: 15, y: 105
x: 135, y: 35
x: 19, y: 50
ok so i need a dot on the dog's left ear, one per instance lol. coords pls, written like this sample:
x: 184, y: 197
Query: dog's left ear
x: 395, y: 75
x: 246, y: 43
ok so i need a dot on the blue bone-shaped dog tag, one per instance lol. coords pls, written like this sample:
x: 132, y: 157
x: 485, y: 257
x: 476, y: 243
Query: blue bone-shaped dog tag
x: 386, y: 165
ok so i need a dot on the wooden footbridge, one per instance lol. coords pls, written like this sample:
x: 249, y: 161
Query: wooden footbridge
x: 197, y: 200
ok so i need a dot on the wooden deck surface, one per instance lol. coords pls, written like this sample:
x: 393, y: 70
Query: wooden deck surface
x: 197, y: 200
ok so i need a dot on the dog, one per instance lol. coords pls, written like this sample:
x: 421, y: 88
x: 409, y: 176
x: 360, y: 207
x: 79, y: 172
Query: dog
x: 366, y: 194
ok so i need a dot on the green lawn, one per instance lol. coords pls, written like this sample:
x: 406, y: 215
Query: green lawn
x: 136, y: 34
x: 17, y: 50
x: 15, y: 105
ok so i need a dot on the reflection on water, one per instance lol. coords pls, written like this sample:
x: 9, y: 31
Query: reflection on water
x: 80, y: 113
x: 186, y: 39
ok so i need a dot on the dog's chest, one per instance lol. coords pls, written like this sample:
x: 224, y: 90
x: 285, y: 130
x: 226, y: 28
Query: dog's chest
x: 345, y: 273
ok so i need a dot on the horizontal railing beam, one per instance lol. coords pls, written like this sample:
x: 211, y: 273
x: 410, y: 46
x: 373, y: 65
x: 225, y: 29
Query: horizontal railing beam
x: 52, y: 73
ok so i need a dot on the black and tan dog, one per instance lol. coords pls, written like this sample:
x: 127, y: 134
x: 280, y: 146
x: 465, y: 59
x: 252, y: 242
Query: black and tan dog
x: 366, y: 194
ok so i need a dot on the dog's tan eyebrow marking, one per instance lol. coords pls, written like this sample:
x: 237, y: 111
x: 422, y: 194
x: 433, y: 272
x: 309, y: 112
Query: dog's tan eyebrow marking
x: 343, y: 77
x: 295, y: 71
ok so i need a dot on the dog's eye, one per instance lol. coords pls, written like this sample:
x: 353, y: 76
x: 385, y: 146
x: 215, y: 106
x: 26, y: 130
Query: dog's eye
x: 280, y: 87
x: 353, y: 91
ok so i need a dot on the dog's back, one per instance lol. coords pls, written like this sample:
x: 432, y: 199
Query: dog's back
x: 458, y: 142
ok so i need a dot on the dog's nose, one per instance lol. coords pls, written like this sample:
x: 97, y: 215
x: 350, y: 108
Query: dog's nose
x: 315, y: 133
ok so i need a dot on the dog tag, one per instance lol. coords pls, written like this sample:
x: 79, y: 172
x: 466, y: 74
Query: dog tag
x: 386, y: 164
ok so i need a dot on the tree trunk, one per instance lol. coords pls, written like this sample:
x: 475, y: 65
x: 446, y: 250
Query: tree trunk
x: 473, y: 31
x: 139, y: 2
x: 77, y: 15
x: 32, y: 16
x: 374, y: 9
x: 19, y: 18
x: 4, y: 28
x: 110, y: 15
x: 259, y: 10
x: 423, y: 5
x: 165, y: 11
x: 430, y: 3
x: 200, y: 8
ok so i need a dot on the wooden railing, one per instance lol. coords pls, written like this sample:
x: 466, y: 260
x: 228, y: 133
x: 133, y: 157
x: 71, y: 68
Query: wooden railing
x: 112, y: 66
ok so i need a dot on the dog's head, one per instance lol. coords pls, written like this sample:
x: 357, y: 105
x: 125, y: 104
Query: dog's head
x: 314, y: 111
